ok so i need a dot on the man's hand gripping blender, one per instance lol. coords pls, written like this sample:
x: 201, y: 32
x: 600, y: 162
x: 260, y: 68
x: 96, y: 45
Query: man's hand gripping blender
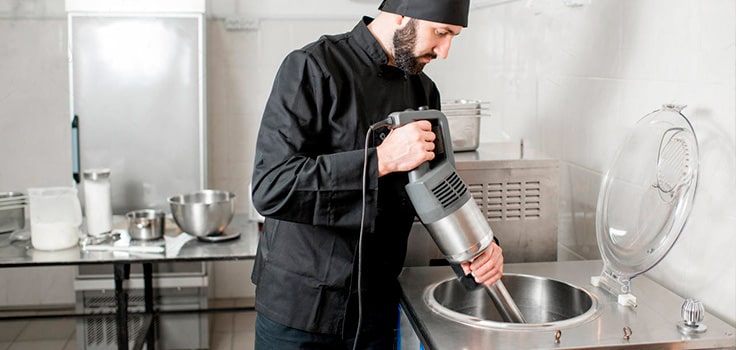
x: 448, y: 211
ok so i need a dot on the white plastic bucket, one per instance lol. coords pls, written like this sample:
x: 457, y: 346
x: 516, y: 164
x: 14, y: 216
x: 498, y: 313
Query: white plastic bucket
x: 56, y: 215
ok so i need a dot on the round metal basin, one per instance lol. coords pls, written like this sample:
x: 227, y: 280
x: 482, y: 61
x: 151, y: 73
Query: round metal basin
x: 544, y: 302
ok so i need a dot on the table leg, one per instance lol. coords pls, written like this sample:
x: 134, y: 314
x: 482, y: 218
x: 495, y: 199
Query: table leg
x: 122, y: 272
x: 148, y: 299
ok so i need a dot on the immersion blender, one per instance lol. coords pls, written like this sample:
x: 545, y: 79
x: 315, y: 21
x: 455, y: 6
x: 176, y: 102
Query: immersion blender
x: 448, y: 211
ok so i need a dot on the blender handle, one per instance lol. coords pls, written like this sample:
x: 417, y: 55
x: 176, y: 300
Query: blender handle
x: 440, y: 127
x: 466, y: 280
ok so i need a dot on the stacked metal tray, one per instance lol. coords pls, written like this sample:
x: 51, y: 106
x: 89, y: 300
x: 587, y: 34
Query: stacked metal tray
x: 12, y: 211
x: 464, y: 118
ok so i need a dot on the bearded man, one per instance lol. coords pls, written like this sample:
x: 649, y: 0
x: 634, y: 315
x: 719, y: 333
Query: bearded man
x: 325, y: 191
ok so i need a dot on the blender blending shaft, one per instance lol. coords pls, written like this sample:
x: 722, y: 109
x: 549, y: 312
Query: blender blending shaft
x: 506, y: 306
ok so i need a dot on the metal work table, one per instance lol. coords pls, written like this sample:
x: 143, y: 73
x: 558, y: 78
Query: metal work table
x: 177, y: 249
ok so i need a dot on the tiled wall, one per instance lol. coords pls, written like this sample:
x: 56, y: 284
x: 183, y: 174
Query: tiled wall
x: 570, y: 81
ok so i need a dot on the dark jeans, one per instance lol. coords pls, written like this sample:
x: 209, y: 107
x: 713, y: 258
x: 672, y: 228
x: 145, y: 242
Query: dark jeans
x: 271, y: 335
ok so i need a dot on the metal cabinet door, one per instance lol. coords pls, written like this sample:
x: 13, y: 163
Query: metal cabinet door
x: 137, y: 89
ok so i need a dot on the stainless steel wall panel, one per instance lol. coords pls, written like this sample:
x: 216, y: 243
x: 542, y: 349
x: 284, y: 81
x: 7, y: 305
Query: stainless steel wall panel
x: 517, y: 191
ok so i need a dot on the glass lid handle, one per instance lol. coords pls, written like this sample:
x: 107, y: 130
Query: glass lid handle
x: 674, y: 162
x: 673, y: 107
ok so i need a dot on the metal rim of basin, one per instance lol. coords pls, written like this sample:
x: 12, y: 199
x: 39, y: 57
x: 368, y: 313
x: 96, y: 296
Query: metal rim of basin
x: 475, y: 321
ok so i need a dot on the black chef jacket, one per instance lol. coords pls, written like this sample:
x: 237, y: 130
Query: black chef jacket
x: 307, y: 183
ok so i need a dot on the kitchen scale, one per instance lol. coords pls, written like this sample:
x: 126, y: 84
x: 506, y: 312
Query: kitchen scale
x: 643, y: 205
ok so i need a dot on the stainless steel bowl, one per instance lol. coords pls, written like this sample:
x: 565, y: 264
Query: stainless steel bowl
x: 146, y: 224
x: 544, y: 302
x: 203, y: 213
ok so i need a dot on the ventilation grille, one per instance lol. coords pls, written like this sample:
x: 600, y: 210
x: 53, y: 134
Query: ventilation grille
x: 508, y: 200
x: 136, y: 302
x: 101, y: 332
x: 450, y: 190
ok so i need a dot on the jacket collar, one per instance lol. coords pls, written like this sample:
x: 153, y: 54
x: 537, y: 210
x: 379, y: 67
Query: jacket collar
x: 369, y: 44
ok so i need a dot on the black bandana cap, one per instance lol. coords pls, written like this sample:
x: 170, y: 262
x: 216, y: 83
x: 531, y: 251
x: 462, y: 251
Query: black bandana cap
x: 453, y: 12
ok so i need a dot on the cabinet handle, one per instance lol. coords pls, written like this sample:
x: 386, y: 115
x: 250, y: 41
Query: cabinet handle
x: 75, y: 149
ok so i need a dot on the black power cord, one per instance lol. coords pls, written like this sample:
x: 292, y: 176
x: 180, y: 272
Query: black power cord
x: 386, y: 122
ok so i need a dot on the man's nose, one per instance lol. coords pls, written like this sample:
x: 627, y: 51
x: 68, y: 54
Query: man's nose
x: 443, y: 48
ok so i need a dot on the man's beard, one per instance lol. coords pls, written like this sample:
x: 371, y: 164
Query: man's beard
x: 405, y: 40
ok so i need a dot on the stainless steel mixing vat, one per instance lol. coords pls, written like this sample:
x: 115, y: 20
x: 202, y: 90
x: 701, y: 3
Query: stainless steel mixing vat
x: 563, y: 309
x: 644, y: 201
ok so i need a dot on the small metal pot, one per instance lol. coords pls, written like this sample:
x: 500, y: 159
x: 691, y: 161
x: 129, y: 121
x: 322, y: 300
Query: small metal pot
x: 146, y: 224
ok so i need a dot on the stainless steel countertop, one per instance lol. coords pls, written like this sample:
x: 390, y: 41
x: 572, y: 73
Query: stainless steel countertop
x: 20, y: 253
x: 653, y: 323
x: 501, y: 155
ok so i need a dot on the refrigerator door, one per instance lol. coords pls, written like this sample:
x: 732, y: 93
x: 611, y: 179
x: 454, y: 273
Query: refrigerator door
x: 137, y: 94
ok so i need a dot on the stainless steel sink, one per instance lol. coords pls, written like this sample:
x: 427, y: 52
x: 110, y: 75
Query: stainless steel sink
x: 544, y: 302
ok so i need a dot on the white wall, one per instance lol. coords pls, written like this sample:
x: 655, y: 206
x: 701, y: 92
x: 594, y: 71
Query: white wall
x: 35, y: 138
x: 570, y: 81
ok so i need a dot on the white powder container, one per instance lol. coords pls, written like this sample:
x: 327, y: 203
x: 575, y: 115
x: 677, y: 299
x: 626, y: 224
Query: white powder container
x: 97, y: 201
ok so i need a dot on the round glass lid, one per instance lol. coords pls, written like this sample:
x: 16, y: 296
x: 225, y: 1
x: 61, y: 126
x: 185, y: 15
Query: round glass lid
x: 647, y: 194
